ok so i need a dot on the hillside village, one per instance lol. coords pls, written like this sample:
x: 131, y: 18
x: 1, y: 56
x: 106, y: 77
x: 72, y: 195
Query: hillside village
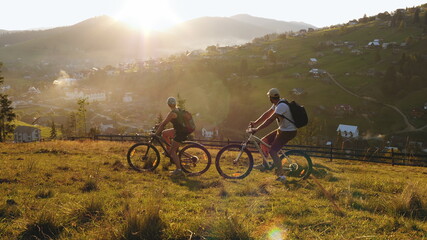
x: 118, y: 104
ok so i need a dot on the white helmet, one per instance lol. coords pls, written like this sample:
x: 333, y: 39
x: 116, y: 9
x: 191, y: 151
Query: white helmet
x: 274, y: 93
x: 171, y: 101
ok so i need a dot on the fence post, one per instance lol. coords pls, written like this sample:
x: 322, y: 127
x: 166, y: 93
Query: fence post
x: 331, y: 153
x: 392, y: 157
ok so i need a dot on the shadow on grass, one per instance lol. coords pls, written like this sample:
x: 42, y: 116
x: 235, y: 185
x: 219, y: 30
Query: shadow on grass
x: 191, y: 184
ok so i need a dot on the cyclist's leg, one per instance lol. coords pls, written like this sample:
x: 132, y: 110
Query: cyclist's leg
x: 269, y: 138
x: 167, y: 135
x: 178, y: 139
x: 173, y: 155
x: 281, y: 140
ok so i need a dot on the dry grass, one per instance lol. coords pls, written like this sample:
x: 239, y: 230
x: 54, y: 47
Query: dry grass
x: 86, y: 190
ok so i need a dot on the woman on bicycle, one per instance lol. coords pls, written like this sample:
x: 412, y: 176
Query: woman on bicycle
x: 279, y: 137
x: 173, y: 136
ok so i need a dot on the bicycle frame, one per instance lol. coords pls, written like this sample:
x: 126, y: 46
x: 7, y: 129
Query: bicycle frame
x: 257, y: 141
x: 161, y: 142
x: 164, y: 144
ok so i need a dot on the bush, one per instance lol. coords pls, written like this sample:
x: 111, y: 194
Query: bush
x: 90, y: 185
x: 44, y: 194
x: 9, y: 210
x: 411, y: 203
x: 149, y: 226
x: 46, y: 227
x: 93, y: 210
x: 229, y: 228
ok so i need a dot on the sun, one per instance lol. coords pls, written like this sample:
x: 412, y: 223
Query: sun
x: 147, y: 15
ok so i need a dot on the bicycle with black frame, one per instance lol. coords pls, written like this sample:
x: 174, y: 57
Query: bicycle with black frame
x: 194, y: 158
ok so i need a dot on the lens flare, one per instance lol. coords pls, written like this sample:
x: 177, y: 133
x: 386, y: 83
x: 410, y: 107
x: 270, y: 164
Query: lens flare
x: 277, y: 234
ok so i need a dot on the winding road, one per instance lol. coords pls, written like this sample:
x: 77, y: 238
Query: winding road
x: 409, y: 127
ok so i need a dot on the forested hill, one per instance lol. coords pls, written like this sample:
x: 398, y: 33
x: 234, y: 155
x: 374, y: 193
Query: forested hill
x: 381, y: 58
x: 98, y: 37
x: 369, y: 72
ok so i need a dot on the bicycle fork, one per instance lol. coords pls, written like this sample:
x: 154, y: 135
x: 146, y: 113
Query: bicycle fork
x: 240, y: 153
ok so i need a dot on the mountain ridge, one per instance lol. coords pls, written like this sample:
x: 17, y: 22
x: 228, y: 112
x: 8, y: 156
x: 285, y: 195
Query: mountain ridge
x: 106, y: 33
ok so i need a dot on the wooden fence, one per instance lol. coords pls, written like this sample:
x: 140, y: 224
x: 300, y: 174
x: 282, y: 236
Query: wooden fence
x: 329, y: 152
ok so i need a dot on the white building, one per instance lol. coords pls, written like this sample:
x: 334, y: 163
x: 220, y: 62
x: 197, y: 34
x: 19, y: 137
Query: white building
x: 27, y: 134
x: 91, y: 97
x: 127, y: 97
x: 348, y: 131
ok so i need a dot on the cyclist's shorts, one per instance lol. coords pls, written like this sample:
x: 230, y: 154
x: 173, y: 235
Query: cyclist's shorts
x: 281, y: 138
x: 180, y: 136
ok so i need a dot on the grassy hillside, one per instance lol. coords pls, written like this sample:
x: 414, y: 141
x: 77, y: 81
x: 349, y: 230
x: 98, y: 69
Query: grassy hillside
x: 85, y: 190
x: 227, y: 89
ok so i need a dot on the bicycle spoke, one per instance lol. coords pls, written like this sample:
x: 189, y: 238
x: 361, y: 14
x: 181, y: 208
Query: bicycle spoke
x: 233, y: 162
x: 195, y: 159
x: 297, y: 164
x: 143, y: 156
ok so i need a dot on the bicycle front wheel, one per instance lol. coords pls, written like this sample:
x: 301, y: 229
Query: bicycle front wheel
x: 143, y: 157
x: 297, y: 164
x: 195, y: 159
x: 234, y: 162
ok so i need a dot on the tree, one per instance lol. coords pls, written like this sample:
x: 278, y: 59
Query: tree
x: 53, y: 134
x: 6, y: 114
x: 417, y: 15
x: 71, y: 128
x: 1, y: 77
x: 81, y: 114
x: 93, y: 131
x: 243, y: 67
x: 389, y: 81
x: 6, y: 117
x: 271, y: 56
x: 212, y: 49
x: 159, y: 118
x: 377, y: 56
x: 181, y: 102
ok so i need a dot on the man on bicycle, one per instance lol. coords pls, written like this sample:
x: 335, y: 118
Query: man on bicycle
x: 279, y: 137
x: 173, y: 136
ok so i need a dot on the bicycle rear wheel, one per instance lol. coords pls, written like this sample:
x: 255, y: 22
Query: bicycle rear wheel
x: 195, y: 159
x: 234, y: 162
x: 143, y: 157
x: 297, y: 164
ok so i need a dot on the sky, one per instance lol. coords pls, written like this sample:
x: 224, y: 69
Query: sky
x: 161, y: 14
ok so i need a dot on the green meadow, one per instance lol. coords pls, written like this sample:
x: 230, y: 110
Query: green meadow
x: 86, y: 190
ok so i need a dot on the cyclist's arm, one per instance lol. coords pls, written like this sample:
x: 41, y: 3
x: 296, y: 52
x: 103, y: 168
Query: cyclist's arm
x: 268, y: 121
x: 263, y: 117
x: 162, y: 125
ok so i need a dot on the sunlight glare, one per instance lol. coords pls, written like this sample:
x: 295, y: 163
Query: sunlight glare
x: 146, y: 15
x: 277, y: 234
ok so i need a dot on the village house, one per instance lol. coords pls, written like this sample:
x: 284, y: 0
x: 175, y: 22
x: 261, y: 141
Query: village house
x: 375, y: 43
x: 297, y: 91
x: 312, y: 61
x: 342, y: 109
x: 356, y: 52
x: 127, y: 98
x: 26, y: 134
x: 89, y: 95
x: 348, y: 131
x: 106, y: 126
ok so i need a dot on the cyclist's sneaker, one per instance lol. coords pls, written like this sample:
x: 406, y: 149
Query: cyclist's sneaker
x: 177, y: 173
x: 261, y: 166
x: 281, y: 179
